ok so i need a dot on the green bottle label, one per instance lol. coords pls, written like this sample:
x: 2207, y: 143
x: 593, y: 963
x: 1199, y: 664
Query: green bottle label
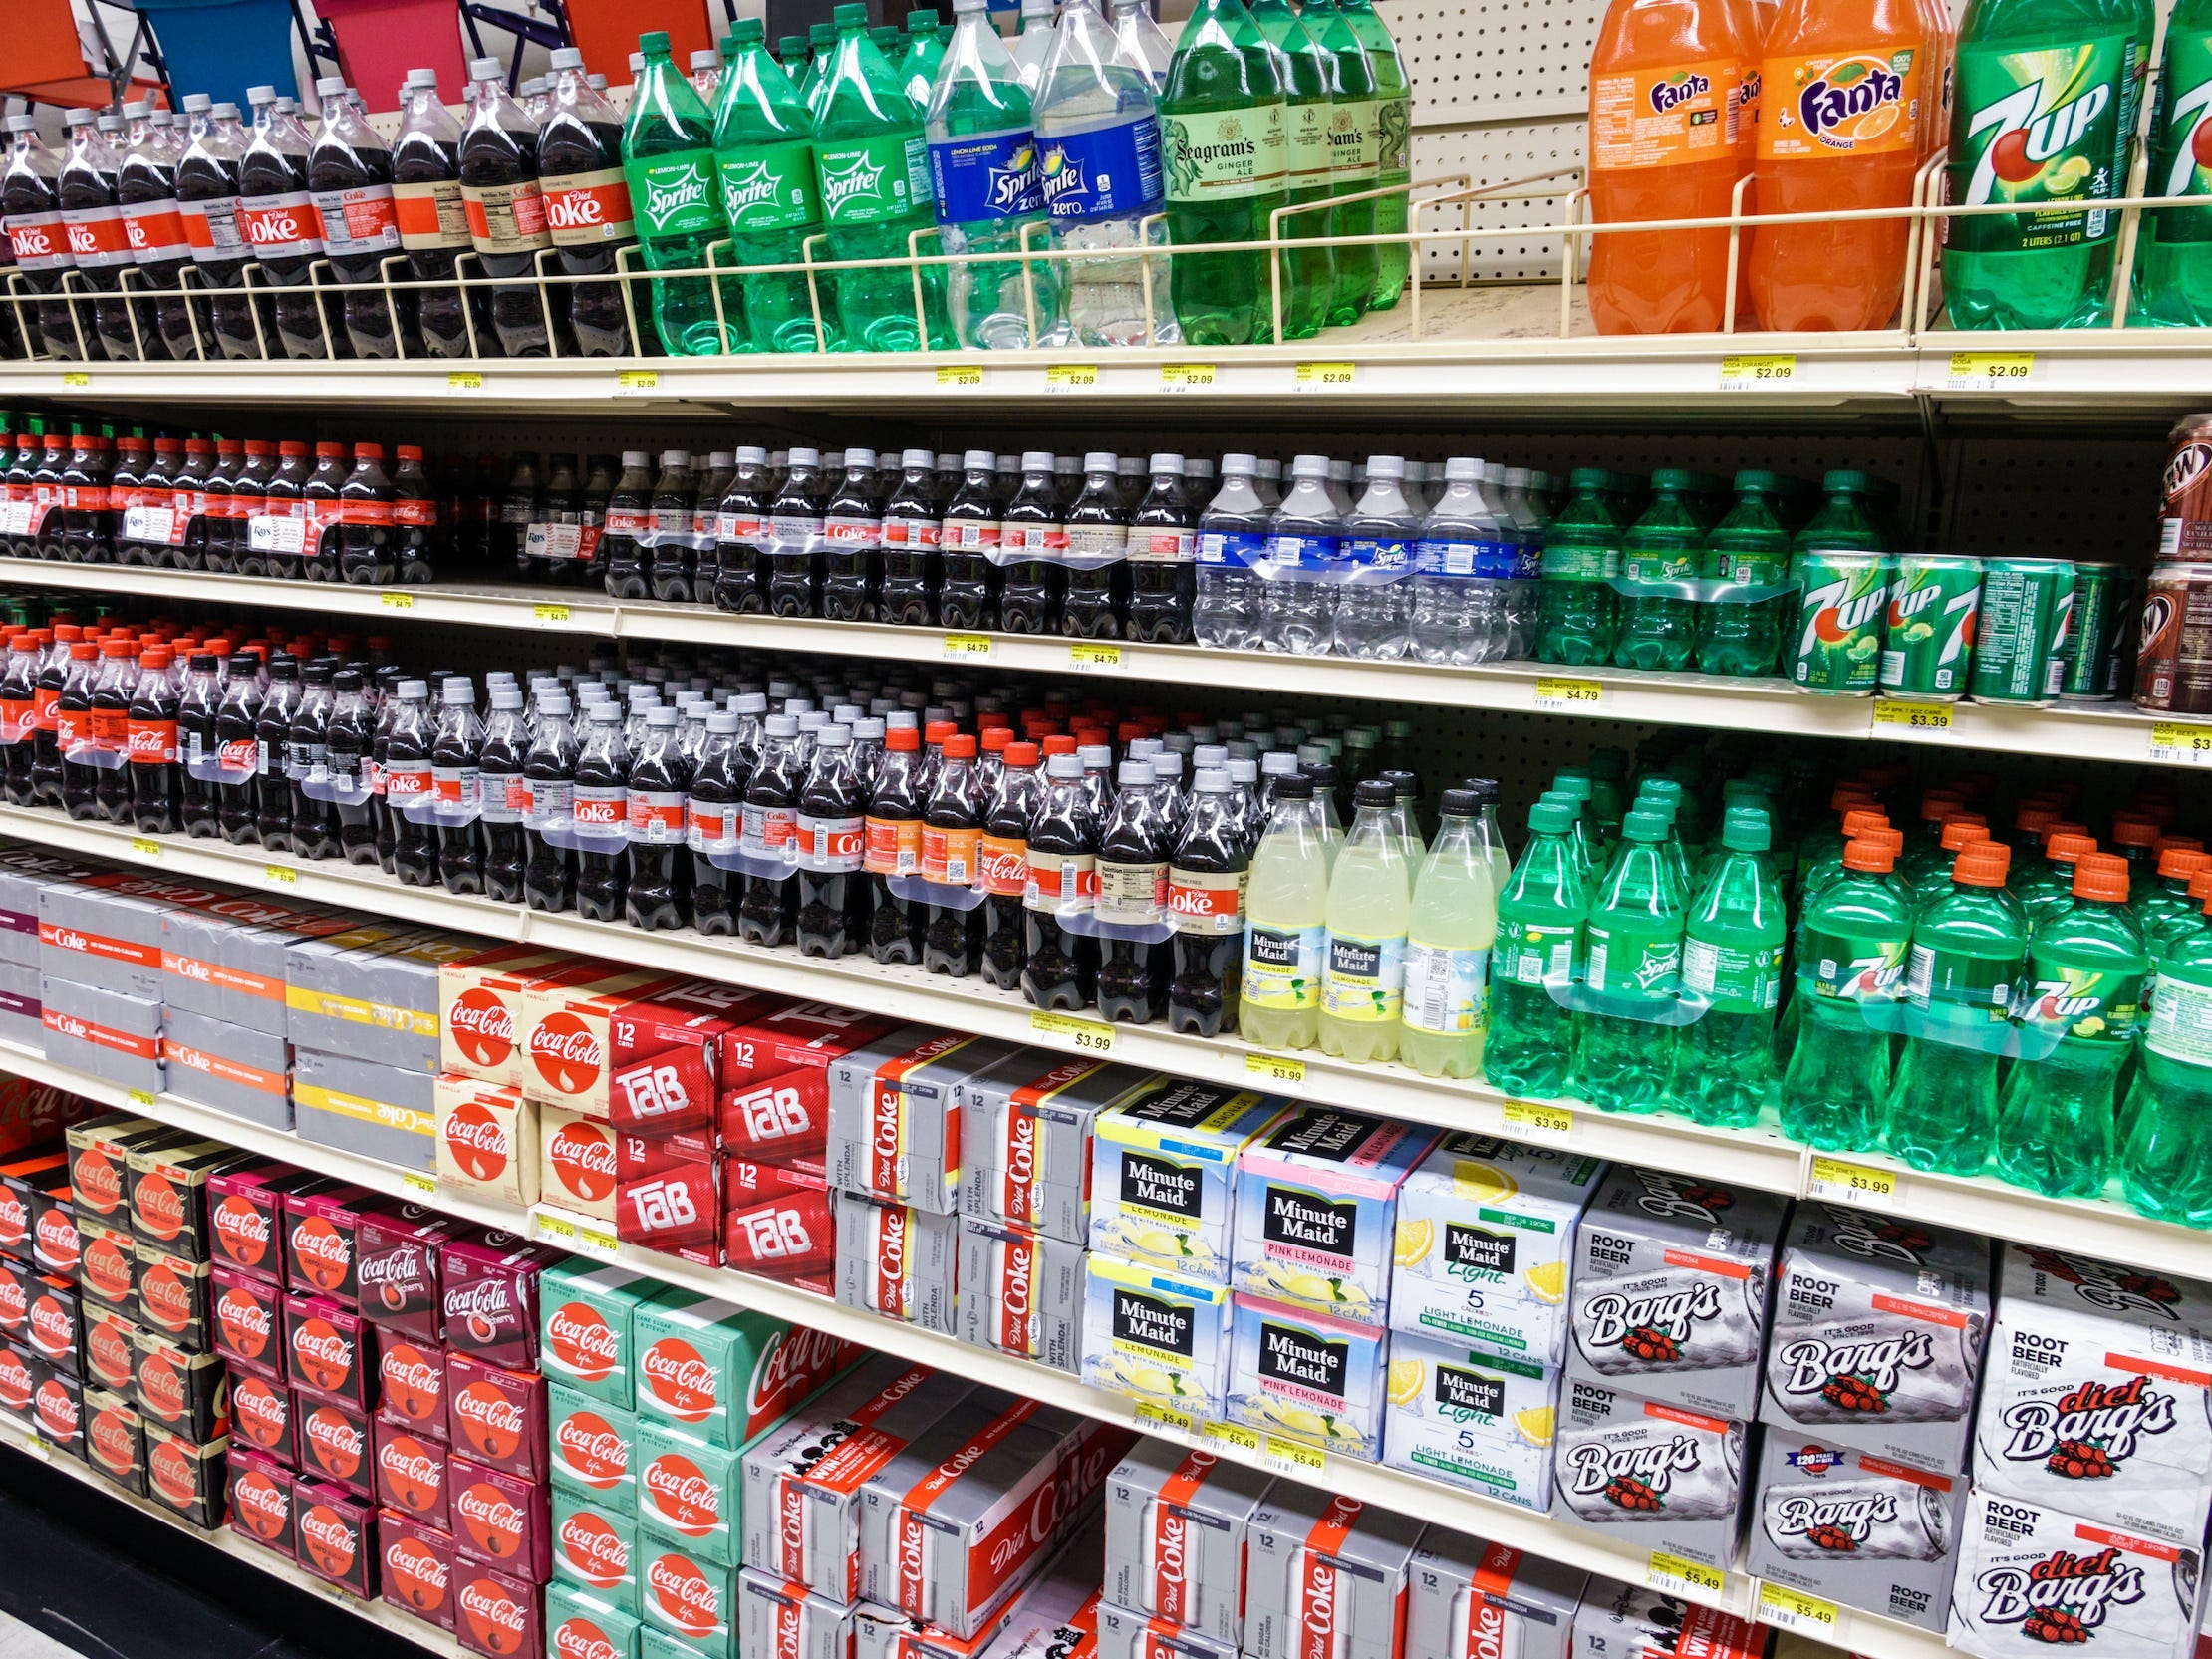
x: 1393, y: 139
x: 1766, y: 567
x: 2051, y: 128
x: 1851, y: 967
x: 1633, y: 961
x: 674, y: 196
x: 1224, y: 154
x: 1536, y: 953
x: 1953, y: 979
x: 1733, y: 978
x: 873, y: 179
x: 1352, y: 132
x: 2093, y: 1005
x: 2181, y: 133
x: 1309, y: 165
x: 769, y: 188
x: 1581, y: 564
x: 2181, y: 1021
x: 1659, y: 564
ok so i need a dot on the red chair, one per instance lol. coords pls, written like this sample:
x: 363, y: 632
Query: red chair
x: 45, y: 61
x: 379, y: 41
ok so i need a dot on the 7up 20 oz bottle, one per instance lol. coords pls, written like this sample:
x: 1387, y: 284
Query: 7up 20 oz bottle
x: 2173, y: 259
x: 2043, y: 117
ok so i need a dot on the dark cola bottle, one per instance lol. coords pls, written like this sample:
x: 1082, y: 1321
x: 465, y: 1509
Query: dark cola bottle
x: 659, y: 891
x: 1031, y: 539
x: 46, y: 745
x: 893, y: 849
x: 363, y: 538
x: 671, y: 565
x: 92, y: 214
x: 281, y: 548
x: 383, y: 694
x: 418, y: 541
x: 1097, y: 554
x: 152, y: 525
x: 16, y: 538
x: 307, y: 746
x: 1163, y: 555
x: 150, y: 737
x: 32, y: 205
x: 408, y: 782
x: 73, y: 728
x: 952, y: 836
x: 504, y: 791
x: 1002, y: 855
x: 554, y: 550
x: 238, y: 750
x: 349, y: 173
x: 712, y: 821
x: 272, y: 731
x: 506, y: 207
x: 207, y: 195
x: 852, y: 544
x: 1133, y: 848
x: 1205, y: 906
x: 910, y: 544
x: 742, y: 520
x: 146, y: 184
x: 587, y: 204
x: 549, y: 800
x: 968, y: 547
x: 795, y: 529
x: 193, y: 505
x: 457, y: 782
x: 768, y: 900
x: 432, y: 217
x: 19, y: 709
x: 199, y: 800
x: 221, y: 529
x: 833, y: 834
x: 88, y: 522
x: 629, y: 517
x: 601, y: 806
x: 348, y: 753
x: 278, y: 213
x: 324, y: 514
x: 520, y: 505
x: 1061, y: 968
x: 110, y: 724
x: 127, y: 501
x: 44, y: 537
x: 590, y: 521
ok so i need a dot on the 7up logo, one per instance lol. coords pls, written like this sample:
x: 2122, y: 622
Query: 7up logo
x: 2026, y: 139
x: 1835, y: 615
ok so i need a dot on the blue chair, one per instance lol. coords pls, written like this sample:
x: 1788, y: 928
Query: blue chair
x: 222, y: 47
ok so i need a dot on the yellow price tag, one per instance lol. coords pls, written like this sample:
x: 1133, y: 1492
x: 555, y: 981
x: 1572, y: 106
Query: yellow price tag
x: 557, y: 1228
x: 1089, y: 1036
x: 1833, y: 1180
x: 1790, y: 1609
x: 423, y: 1185
x: 550, y: 616
x: 1165, y: 1417
x: 962, y: 377
x: 1677, y: 1576
x: 1232, y: 1435
x: 1276, y: 1069
x: 2174, y: 744
x: 1991, y: 371
x: 596, y: 1241
x: 1182, y: 377
x: 142, y: 1098
x: 1291, y: 1457
x: 1913, y: 717
x: 967, y: 648
x: 633, y: 382
x: 465, y: 380
x: 396, y: 601
x: 1583, y: 695
x: 282, y: 875
x: 1071, y: 376
x: 1085, y: 658
x: 34, y: 1443
x: 76, y: 380
x: 1538, y: 1123
x: 1743, y: 373
x: 1323, y: 377
x: 145, y: 848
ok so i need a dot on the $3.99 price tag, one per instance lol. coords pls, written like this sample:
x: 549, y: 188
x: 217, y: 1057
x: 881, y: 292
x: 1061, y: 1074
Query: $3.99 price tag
x: 1089, y: 1036
x: 1833, y: 1180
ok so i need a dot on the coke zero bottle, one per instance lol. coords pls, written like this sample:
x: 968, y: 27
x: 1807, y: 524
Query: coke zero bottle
x: 712, y: 821
x: 968, y: 540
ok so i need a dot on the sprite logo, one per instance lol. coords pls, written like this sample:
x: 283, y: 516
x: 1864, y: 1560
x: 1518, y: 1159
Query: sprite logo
x: 2026, y: 142
x: 665, y: 197
x: 748, y: 185
x: 1012, y: 187
x: 861, y: 180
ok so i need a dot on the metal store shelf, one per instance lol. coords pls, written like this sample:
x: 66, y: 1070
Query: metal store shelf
x: 1760, y: 1158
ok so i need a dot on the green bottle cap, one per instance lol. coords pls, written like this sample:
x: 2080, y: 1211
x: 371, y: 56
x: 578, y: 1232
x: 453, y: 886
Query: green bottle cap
x: 819, y: 35
x: 728, y: 47
x: 748, y: 31
x: 1607, y: 763
x: 1836, y: 484
x: 1673, y: 481
x: 790, y: 48
x: 1587, y: 478
x: 1745, y: 830
x: 849, y: 17
x: 1659, y: 788
x: 1549, y: 817
x: 655, y: 44
x: 917, y: 21
x: 1645, y: 826
x: 1764, y: 483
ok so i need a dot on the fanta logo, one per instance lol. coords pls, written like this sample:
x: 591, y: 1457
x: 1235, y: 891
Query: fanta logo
x: 1678, y: 90
x: 1846, y: 106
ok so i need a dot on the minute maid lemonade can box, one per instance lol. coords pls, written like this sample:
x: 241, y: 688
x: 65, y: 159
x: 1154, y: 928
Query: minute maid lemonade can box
x: 1316, y: 1378
x: 1485, y: 1231
x: 1153, y: 1336
x: 1471, y: 1418
x: 1316, y: 1201
x: 1162, y: 1170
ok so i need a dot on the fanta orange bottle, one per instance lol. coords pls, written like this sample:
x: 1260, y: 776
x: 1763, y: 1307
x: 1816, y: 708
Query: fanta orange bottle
x: 1846, y: 84
x: 1665, y: 78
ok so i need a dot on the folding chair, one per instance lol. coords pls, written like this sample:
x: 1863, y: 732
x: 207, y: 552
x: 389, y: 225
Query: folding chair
x: 222, y: 47
x: 379, y: 41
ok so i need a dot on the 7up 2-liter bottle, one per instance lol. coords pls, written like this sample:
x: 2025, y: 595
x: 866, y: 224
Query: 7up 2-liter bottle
x: 2043, y: 117
x: 2173, y: 257
x: 667, y: 158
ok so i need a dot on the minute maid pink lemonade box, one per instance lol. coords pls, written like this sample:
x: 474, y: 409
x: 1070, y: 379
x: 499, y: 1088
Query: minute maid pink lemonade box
x: 1164, y: 1173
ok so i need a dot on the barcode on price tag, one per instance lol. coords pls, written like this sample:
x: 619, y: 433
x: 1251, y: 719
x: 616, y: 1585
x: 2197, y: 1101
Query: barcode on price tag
x: 396, y: 601
x: 283, y: 875
x: 145, y: 848
x: 276, y: 533
x: 1833, y: 1180
x: 962, y: 377
x: 1291, y: 1457
x: 1235, y: 1436
x: 1165, y: 1417
x: 592, y: 1241
x: 2181, y: 745
x: 465, y: 380
x: 549, y: 615
x: 1913, y: 717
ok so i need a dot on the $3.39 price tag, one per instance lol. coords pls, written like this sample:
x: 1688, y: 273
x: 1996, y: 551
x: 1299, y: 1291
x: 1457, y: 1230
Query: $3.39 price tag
x: 1913, y: 717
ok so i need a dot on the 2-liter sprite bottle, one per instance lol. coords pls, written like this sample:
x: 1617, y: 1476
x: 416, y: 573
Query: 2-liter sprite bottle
x: 667, y: 158
x: 2174, y: 251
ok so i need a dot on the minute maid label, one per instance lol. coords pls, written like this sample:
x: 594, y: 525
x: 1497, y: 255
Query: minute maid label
x: 1224, y: 154
x: 873, y: 179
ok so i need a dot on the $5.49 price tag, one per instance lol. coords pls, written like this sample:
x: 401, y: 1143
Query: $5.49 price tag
x: 1833, y: 1180
x: 1672, y: 1575
x: 1789, y: 1609
x: 1166, y: 1417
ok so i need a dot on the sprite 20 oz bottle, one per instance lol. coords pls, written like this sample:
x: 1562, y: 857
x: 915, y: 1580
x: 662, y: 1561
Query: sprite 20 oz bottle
x: 2044, y: 117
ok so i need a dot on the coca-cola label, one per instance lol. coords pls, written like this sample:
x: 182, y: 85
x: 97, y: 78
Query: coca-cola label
x: 335, y: 1442
x: 261, y: 1503
x: 410, y: 1472
x: 588, y: 209
x: 482, y: 1024
x: 16, y: 1382
x: 322, y: 1254
x: 108, y: 1352
x: 679, y: 1380
x: 112, y: 1435
x: 492, y: 1519
x: 38, y: 242
x: 416, y: 1574
x: 590, y: 1449
x: 488, y: 1421
x: 330, y: 1541
x: 495, y: 1619
x: 580, y: 1159
x: 580, y: 1343
x: 282, y: 226
x: 506, y: 218
x: 323, y: 1356
x: 688, y: 1595
x: 360, y: 221
x: 245, y: 1319
x: 565, y: 1053
x: 241, y: 1229
x: 263, y: 1413
x: 677, y: 1491
x: 413, y: 1385
x: 96, y: 237
x: 593, y: 1549
x: 172, y: 1472
x: 59, y: 1410
x: 477, y: 1141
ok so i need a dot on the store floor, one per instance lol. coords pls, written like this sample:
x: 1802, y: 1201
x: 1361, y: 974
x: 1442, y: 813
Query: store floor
x: 102, y: 1579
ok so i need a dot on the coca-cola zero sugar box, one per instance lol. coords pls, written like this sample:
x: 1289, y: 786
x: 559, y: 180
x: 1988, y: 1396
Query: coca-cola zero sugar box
x: 411, y: 1385
x: 185, y: 1475
x: 1669, y: 1296
x: 2098, y: 1397
x: 725, y: 1373
x: 228, y: 1068
x: 369, y: 993
x: 497, y: 1416
x: 1472, y: 1599
x: 54, y: 1330
x: 587, y: 1314
x: 100, y: 1161
x: 494, y: 1613
x: 490, y: 1289
x: 54, y: 1239
x: 245, y: 1216
x: 319, y: 1244
x: 107, y: 1265
x: 20, y: 1180
x: 261, y: 1500
x: 410, y: 1472
x: 389, y: 1113
x: 576, y: 1163
x: 261, y: 1417
x: 1176, y: 1522
x: 480, y: 998
x: 1325, y: 1573
x: 336, y: 1536
x: 898, y: 1262
x: 1856, y: 1529
x: 1021, y: 1293
x: 1163, y: 1176
x: 399, y: 1280
x: 110, y: 1352
x: 417, y: 1567
x: 169, y: 1192
x: 487, y: 1140
x: 330, y: 1351
x: 104, y: 1032
x: 895, y: 1118
x: 668, y: 1194
x: 18, y: 1381
x: 1025, y: 1137
x: 1673, y: 1478
x: 248, y: 1324
x: 501, y: 1519
x: 176, y: 1296
x: 2030, y: 1578
x: 113, y: 1443
x: 185, y: 1392
x: 1879, y: 1329
x: 687, y: 1596
x: 592, y: 1446
x: 595, y: 1549
x: 333, y: 1445
x: 581, y: 1626
x: 16, y: 1279
x: 780, y: 1224
x: 689, y: 1490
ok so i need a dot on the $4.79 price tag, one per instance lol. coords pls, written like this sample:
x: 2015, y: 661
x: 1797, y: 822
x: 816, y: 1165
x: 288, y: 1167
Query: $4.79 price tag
x: 1579, y: 695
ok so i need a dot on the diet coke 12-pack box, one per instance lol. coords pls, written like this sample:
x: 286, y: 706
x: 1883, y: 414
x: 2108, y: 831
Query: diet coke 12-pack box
x: 1472, y: 1599
x: 1327, y: 1573
x: 1177, y: 1521
x: 1025, y: 1137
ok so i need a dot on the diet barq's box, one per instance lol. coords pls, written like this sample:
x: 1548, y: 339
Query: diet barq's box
x: 2096, y: 1396
x: 2031, y: 1579
x: 895, y: 1116
x: 1163, y: 1176
x: 1669, y: 1290
x: 1856, y: 1529
x: 1667, y: 1477
x: 1176, y: 1523
x: 1325, y: 1566
x: 1476, y: 1600
x: 1879, y: 1329
x: 1025, y: 1137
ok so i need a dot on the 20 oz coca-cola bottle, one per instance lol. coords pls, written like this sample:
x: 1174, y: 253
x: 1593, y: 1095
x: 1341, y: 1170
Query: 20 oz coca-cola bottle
x: 1061, y: 968
x: 272, y: 731
x: 893, y: 849
x: 1163, y: 554
x: 504, y: 791
x: 155, y: 778
x: 1004, y: 854
x: 549, y: 800
x: 1133, y: 846
x: 852, y: 544
x: 741, y: 521
x: 629, y: 517
x: 324, y: 514
x: 417, y: 539
x: 671, y: 566
x: 19, y: 708
x: 307, y: 746
x: 238, y: 748
x: 659, y: 892
x: 348, y: 753
x: 198, y: 808
x: 1206, y: 906
x: 833, y: 833
x: 108, y: 720
x: 796, y: 528
x: 456, y: 783
x: 952, y: 835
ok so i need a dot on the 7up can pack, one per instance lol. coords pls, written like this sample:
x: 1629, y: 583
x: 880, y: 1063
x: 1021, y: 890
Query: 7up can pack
x: 1929, y: 641
x: 1840, y: 610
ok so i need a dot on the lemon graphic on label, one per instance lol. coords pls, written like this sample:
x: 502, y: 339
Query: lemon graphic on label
x: 1481, y: 1182
x: 1547, y: 1282
x: 1416, y: 1238
x: 1406, y: 1377
x: 1151, y: 1379
x: 1158, y: 1241
x: 2072, y: 174
x: 1534, y: 1424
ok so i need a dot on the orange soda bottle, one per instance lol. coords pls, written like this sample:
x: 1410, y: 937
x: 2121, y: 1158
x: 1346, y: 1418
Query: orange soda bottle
x: 1847, y: 88
x: 1665, y: 78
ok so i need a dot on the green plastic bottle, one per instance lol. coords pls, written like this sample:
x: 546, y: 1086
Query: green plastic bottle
x: 1608, y: 769
x: 1969, y: 950
x: 1633, y: 967
x: 2042, y: 114
x: 1577, y: 610
x: 821, y: 47
x: 1530, y: 1045
x: 1659, y: 630
x: 1225, y: 152
x: 1448, y: 944
x: 925, y: 51
x: 2084, y: 993
x: 1363, y: 977
x: 1393, y: 148
x: 2054, y: 895
x: 1743, y: 638
x: 1309, y: 273
x: 872, y: 164
x: 1354, y: 122
x: 1732, y: 959
x: 1850, y: 957
x: 1286, y: 923
x: 792, y: 57
x: 2166, y: 1145
x: 668, y: 160
x: 1665, y: 796
x: 1844, y: 522
x: 764, y: 163
x: 1592, y: 850
x: 2173, y: 250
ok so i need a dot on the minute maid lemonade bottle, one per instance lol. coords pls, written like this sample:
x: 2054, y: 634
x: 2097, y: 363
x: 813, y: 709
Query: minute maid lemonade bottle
x: 2043, y: 115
